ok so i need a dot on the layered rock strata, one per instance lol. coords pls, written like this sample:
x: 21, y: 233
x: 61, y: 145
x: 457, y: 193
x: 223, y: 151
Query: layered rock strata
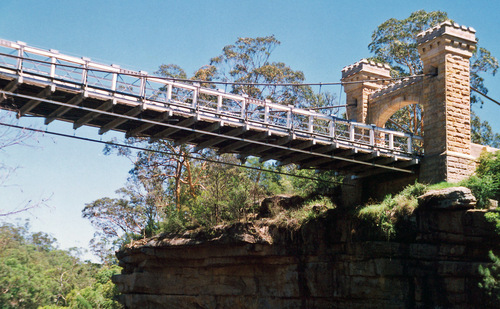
x: 331, y: 262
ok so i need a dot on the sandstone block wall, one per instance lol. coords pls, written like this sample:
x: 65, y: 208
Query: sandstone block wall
x: 332, y: 262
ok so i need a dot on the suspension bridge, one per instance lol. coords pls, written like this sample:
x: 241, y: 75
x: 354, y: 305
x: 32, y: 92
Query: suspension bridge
x: 49, y: 84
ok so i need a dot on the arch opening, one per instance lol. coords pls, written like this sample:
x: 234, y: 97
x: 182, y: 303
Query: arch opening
x: 401, y: 114
x: 408, y: 119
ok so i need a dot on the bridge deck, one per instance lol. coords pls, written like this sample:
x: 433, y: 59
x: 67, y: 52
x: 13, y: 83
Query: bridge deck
x: 60, y: 87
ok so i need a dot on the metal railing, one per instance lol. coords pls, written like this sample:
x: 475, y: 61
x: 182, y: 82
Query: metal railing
x: 112, y: 82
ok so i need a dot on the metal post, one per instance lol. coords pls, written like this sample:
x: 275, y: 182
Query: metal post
x: 331, y: 128
x: 85, y: 72
x: 372, y: 136
x: 310, y: 127
x: 53, y: 61
x: 219, y: 104
x: 20, y: 59
x: 410, y: 143
x: 289, y: 117
x: 266, y: 112
x: 243, y: 108
x: 169, y: 92
x: 391, y: 140
x: 351, y: 132
x: 195, y: 98
x: 114, y: 79
x: 142, y: 93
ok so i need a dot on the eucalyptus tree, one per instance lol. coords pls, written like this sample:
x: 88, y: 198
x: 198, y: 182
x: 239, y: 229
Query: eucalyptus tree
x: 168, y: 187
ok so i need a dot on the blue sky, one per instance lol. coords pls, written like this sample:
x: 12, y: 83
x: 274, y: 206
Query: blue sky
x: 317, y: 37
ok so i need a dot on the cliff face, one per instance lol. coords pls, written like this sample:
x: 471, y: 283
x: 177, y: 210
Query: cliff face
x: 327, y: 263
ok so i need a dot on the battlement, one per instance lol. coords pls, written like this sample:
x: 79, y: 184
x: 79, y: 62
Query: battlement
x: 364, y: 65
x: 457, y: 36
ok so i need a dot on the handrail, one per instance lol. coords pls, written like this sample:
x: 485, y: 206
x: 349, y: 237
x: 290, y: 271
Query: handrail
x: 135, y: 86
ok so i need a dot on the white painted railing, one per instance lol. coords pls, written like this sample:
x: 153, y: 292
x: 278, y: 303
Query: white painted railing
x: 113, y: 82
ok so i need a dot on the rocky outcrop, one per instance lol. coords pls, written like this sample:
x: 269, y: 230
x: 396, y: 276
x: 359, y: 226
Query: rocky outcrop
x: 327, y: 263
x: 273, y: 204
x: 449, y: 198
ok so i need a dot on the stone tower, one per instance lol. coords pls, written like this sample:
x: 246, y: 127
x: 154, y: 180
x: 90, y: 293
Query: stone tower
x: 445, y: 51
x: 444, y: 93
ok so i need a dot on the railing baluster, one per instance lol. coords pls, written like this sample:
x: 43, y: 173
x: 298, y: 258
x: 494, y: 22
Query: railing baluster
x: 219, y: 104
x: 372, y: 136
x: 331, y: 128
x: 53, y: 61
x: 142, y: 91
x: 114, y: 78
x: 266, y: 112
x: 85, y: 72
x: 169, y: 92
x: 310, y: 126
x: 194, y: 104
x: 410, y: 143
x: 391, y: 140
x: 20, y: 55
x: 351, y: 132
x: 289, y: 117
x: 243, y: 108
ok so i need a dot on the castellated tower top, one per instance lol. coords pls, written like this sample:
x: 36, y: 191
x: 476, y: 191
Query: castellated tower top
x: 456, y: 38
x: 370, y: 68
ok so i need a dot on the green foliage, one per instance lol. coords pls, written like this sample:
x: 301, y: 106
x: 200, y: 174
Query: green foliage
x: 481, y: 132
x: 491, y: 279
x: 100, y: 294
x: 34, y: 273
x: 489, y: 165
x: 393, y: 213
x: 485, y: 184
x: 118, y: 220
x: 483, y: 188
x: 174, y: 222
x: 305, y: 187
x: 441, y: 185
x: 309, y: 210
x: 494, y: 217
x: 248, y: 61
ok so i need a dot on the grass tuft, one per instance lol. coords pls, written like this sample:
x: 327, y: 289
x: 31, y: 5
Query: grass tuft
x: 394, y: 212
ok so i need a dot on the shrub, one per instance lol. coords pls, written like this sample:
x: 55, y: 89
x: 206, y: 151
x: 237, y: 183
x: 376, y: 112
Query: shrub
x: 489, y: 166
x: 392, y: 215
x: 491, y: 279
x: 483, y: 188
x: 494, y: 217
x: 310, y: 210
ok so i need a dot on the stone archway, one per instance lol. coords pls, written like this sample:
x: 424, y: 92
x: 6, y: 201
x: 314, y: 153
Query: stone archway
x: 444, y: 93
x: 379, y: 115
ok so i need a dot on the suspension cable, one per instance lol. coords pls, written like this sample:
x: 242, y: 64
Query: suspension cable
x: 484, y: 95
x: 333, y: 157
x: 168, y: 153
